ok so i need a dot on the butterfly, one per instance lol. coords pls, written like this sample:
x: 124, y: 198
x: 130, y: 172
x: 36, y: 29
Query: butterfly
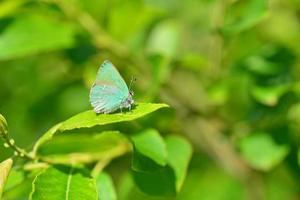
x: 109, y: 91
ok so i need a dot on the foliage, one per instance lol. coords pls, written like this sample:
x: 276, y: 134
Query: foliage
x: 63, y: 171
x: 229, y: 71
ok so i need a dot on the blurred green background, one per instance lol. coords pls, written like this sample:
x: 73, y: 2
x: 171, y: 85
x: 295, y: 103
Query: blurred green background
x: 228, y: 68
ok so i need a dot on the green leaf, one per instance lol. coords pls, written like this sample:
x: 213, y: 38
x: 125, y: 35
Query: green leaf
x: 261, y: 152
x: 75, y: 148
x: 29, y: 35
x: 164, y: 39
x: 90, y: 119
x: 5, y: 167
x: 18, y: 185
x: 179, y: 156
x: 46, y: 137
x: 157, y: 183
x: 150, y: 151
x: 8, y: 7
x: 262, y: 66
x: 244, y: 15
x: 167, y: 180
x: 269, y: 95
x: 106, y: 189
x: 14, y: 179
x: 60, y: 182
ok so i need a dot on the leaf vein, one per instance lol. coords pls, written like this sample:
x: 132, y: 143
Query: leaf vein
x: 69, y: 183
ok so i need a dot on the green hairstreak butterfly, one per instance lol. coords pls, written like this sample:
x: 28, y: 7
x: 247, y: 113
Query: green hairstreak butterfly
x: 109, y: 91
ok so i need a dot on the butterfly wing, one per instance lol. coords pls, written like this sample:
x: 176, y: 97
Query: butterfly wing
x: 109, y: 89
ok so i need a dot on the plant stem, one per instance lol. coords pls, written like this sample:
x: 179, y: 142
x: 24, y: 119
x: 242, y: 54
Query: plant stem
x: 118, y: 151
x: 9, y: 142
x: 19, y: 151
x: 99, y: 167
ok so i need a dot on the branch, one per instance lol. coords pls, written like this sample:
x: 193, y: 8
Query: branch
x: 9, y: 142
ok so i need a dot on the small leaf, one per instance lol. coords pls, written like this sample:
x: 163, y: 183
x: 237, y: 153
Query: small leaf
x: 29, y: 35
x: 167, y: 180
x: 262, y: 66
x: 5, y: 167
x: 179, y: 156
x: 251, y: 149
x: 269, y: 95
x: 106, y: 189
x: 60, y: 182
x: 78, y: 148
x: 150, y: 151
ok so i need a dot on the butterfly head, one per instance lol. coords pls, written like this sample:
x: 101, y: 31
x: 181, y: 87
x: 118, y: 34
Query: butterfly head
x: 129, y: 101
x: 130, y: 97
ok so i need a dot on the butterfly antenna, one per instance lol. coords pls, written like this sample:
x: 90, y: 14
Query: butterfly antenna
x: 133, y: 79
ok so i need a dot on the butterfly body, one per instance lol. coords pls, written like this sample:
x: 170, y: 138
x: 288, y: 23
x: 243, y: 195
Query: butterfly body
x: 110, y: 92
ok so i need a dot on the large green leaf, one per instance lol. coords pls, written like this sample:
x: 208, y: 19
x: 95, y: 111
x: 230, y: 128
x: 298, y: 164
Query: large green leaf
x: 106, y: 189
x: 167, y: 180
x: 261, y: 152
x: 60, y: 182
x: 46, y: 137
x: 83, y: 148
x: 29, y: 35
x: 90, y: 119
x: 150, y: 151
x: 5, y: 167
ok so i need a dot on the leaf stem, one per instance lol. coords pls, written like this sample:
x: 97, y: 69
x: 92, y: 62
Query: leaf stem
x: 100, y: 165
